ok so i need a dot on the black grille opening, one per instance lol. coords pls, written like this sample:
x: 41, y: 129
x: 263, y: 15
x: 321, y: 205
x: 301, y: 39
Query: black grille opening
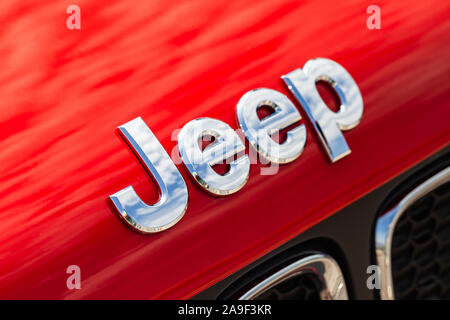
x: 301, y: 287
x: 300, y: 272
x: 421, y: 248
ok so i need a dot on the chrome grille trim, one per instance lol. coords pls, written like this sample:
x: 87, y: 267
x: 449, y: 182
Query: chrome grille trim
x: 385, y: 227
x: 321, y: 265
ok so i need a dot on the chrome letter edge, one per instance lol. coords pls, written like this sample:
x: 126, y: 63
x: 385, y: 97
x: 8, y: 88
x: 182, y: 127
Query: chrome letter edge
x: 327, y: 124
x: 259, y: 132
x: 228, y: 147
x: 199, y: 162
x: 173, y: 200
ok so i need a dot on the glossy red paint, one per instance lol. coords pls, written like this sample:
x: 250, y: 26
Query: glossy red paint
x: 65, y: 92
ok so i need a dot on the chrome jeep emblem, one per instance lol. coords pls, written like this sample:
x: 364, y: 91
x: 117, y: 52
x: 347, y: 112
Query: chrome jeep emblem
x: 228, y: 146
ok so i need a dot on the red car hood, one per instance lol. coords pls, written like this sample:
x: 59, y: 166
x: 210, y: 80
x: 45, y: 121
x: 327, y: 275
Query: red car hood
x: 64, y: 92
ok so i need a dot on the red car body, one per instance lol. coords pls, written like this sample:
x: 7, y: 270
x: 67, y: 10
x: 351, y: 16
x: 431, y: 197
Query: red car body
x: 64, y: 93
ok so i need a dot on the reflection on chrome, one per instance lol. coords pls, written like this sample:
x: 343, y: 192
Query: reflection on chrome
x: 386, y: 225
x: 226, y: 145
x: 259, y: 132
x: 324, y: 267
x: 172, y: 204
x: 327, y: 124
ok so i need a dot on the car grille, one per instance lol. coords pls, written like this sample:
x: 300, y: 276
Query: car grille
x: 303, y: 287
x: 312, y: 277
x: 421, y: 248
